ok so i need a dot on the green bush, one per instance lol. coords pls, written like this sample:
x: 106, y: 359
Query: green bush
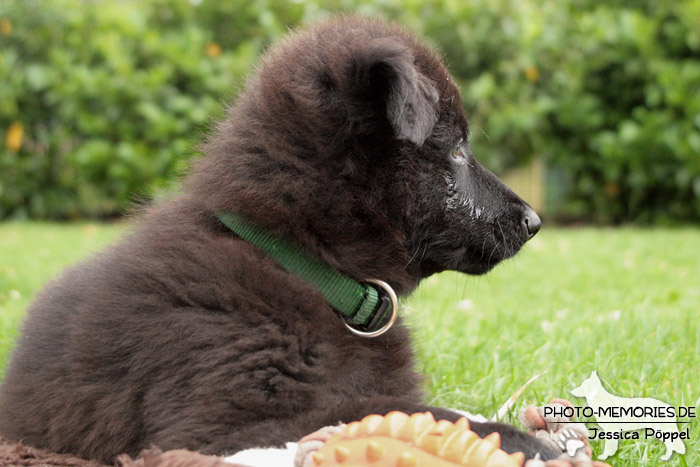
x: 625, y: 118
x: 112, y: 94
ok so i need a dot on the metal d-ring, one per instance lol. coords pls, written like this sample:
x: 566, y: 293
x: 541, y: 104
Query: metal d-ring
x: 394, y: 306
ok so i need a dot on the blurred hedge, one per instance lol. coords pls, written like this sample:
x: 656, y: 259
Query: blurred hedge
x: 104, y: 100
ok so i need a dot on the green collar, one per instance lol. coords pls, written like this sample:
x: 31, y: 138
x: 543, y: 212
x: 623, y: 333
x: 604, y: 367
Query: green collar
x: 368, y: 308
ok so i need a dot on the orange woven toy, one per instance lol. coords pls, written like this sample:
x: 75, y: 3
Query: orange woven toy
x: 399, y: 440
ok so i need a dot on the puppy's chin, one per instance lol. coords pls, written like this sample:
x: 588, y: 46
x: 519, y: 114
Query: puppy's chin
x: 482, y: 265
x: 467, y: 267
x: 477, y: 269
x: 464, y: 261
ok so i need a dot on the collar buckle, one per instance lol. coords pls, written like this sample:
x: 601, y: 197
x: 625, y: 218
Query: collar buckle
x: 384, y: 315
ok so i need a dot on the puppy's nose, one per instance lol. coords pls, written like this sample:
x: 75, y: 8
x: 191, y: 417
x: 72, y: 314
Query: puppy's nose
x: 531, y: 223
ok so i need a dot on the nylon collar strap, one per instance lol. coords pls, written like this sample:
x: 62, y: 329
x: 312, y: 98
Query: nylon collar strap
x: 368, y: 308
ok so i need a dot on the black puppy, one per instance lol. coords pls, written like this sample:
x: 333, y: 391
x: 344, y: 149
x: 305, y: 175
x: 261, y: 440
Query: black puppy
x: 349, y: 142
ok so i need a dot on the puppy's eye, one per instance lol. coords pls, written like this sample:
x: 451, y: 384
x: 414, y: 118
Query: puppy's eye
x: 457, y: 152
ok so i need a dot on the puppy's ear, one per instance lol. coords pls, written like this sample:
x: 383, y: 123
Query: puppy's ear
x: 385, y: 73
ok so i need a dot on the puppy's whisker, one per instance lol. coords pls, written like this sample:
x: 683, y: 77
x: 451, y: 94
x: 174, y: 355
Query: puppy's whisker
x: 488, y: 261
x: 483, y: 132
x: 425, y: 248
x: 415, y: 254
x: 505, y: 243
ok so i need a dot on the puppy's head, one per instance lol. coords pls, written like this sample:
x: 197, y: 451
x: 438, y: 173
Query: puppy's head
x: 350, y: 139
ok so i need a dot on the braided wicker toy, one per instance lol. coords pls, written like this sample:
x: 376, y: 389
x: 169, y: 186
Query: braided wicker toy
x: 399, y: 440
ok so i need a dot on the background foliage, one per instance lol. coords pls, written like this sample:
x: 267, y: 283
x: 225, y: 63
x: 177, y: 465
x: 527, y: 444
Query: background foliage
x: 101, y: 101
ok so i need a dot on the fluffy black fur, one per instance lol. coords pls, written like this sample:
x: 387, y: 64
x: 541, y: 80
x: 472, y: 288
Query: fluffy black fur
x: 349, y: 140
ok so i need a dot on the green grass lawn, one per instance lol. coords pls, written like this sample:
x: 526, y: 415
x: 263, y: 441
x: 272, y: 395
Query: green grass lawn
x: 623, y: 302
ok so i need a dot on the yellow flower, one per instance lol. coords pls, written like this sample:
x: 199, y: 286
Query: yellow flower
x: 532, y: 74
x: 612, y: 189
x: 5, y: 27
x: 213, y: 49
x: 13, y: 138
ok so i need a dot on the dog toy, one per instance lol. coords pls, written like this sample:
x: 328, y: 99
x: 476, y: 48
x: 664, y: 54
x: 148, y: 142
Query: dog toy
x: 561, y: 434
x: 400, y: 440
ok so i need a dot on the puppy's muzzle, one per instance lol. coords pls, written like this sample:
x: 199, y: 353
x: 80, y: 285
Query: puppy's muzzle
x: 530, y: 223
